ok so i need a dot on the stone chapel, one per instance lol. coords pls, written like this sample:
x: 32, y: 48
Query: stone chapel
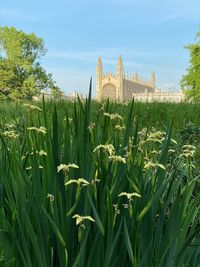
x: 121, y: 87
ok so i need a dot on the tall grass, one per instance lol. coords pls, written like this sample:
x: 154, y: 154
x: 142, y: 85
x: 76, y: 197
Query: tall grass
x: 117, y: 200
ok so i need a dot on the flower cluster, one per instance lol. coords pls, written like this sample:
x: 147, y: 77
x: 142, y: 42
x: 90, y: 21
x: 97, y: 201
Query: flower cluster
x: 188, y: 151
x: 156, y: 137
x: 10, y: 134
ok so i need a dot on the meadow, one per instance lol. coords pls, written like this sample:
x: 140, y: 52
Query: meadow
x: 99, y: 184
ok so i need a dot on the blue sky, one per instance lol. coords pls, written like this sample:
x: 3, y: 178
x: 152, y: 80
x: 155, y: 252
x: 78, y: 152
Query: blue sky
x: 149, y: 34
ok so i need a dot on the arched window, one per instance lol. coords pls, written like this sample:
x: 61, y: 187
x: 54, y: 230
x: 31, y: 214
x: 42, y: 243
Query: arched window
x: 109, y: 91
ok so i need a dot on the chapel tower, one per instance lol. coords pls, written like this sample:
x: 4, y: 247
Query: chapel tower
x: 120, y: 71
x: 99, y: 73
x: 153, y: 79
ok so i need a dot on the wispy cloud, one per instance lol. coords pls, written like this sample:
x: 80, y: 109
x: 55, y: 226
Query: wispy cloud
x: 109, y: 55
x: 132, y: 58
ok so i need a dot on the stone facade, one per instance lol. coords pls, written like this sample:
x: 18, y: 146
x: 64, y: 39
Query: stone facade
x: 172, y: 97
x: 120, y: 87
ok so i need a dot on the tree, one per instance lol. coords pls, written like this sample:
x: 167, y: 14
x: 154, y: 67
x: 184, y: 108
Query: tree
x: 21, y: 75
x: 190, y: 82
x: 56, y: 92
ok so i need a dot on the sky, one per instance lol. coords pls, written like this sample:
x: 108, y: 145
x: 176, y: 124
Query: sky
x: 150, y: 35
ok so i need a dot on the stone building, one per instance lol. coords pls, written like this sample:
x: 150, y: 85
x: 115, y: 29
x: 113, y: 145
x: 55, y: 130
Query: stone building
x: 121, y: 87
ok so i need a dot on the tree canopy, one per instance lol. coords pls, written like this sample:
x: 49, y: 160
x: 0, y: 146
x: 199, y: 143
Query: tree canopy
x: 190, y: 82
x: 21, y: 75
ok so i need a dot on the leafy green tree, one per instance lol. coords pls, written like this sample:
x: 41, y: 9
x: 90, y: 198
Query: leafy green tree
x: 56, y: 93
x: 190, y: 82
x: 21, y: 75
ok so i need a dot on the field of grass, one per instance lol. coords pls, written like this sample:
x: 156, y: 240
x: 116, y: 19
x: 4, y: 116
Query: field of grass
x: 99, y: 184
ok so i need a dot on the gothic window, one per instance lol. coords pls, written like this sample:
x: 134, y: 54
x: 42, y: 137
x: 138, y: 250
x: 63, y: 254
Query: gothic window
x: 109, y: 91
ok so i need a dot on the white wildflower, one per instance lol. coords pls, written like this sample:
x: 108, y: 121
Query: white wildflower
x: 189, y: 147
x: 120, y: 128
x: 129, y: 195
x: 69, y: 119
x: 80, y: 219
x: 10, y: 134
x: 117, y: 211
x: 113, y: 116
x: 156, y: 137
x: 188, y: 154
x: 42, y: 153
x: 65, y: 168
x: 41, y: 129
x: 173, y: 141
x: 117, y: 159
x: 9, y: 125
x: 108, y: 148
x: 28, y: 168
x: 50, y: 197
x: 78, y: 182
x: 32, y: 107
x: 152, y: 165
x: 154, y: 152
x: 91, y: 126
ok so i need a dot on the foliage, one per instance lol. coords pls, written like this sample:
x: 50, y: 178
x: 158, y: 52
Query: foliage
x: 21, y: 75
x: 190, y: 82
x: 190, y: 134
x: 56, y: 93
x: 75, y: 190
